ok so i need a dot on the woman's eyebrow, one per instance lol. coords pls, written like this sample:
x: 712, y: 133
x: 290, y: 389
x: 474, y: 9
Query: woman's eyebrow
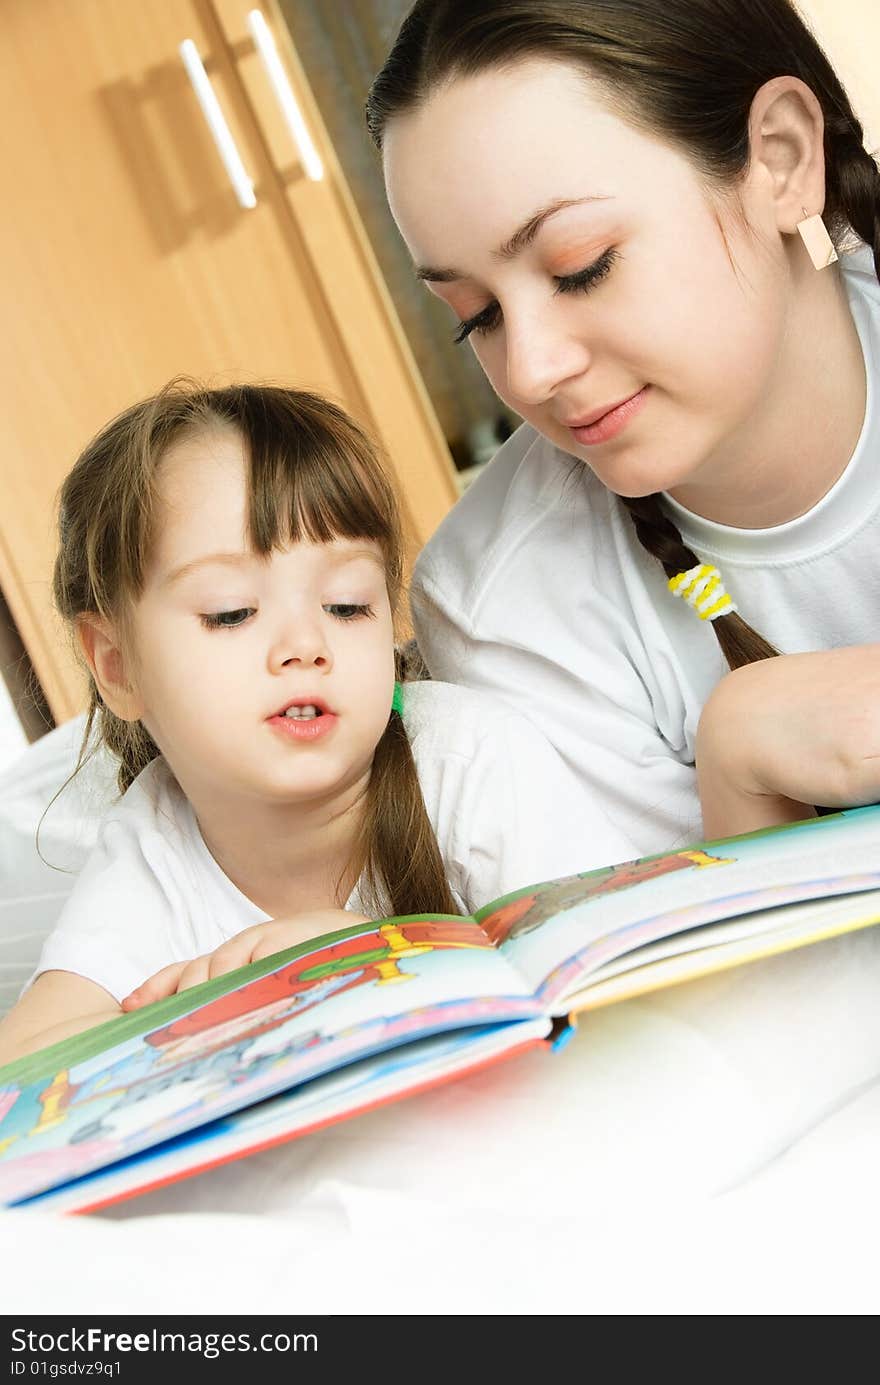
x: 523, y: 236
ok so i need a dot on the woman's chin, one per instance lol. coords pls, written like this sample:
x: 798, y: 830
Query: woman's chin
x: 630, y: 479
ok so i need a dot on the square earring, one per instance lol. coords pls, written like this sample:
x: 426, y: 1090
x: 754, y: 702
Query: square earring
x: 815, y: 237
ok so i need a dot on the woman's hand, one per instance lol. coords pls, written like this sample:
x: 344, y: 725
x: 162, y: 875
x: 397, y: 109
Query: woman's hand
x: 780, y: 735
x: 252, y: 944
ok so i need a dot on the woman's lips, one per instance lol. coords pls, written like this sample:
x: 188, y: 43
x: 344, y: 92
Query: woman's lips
x: 611, y: 423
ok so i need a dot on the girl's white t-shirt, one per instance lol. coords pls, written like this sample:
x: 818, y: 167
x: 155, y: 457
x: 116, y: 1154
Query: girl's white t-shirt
x: 506, y: 811
x: 536, y: 588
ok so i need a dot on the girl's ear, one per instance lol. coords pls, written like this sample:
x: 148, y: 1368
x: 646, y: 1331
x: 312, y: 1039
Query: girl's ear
x: 787, y: 133
x: 102, y: 650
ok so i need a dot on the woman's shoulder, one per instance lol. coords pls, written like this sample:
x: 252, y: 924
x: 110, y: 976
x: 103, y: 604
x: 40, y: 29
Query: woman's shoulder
x: 506, y: 809
x: 857, y: 267
x: 449, y: 720
x: 530, y: 492
x: 862, y: 288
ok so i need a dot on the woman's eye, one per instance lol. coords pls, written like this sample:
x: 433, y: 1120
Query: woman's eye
x: 587, y: 278
x: 584, y: 279
x: 347, y: 610
x: 227, y: 620
x: 481, y: 323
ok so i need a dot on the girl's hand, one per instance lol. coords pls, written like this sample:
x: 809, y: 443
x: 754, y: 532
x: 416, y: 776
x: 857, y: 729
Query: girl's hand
x: 778, y: 736
x: 261, y: 940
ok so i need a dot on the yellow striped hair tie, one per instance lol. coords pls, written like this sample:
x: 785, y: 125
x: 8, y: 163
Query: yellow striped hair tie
x: 702, y: 588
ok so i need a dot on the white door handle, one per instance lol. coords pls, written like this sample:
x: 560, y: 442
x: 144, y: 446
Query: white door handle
x: 207, y: 99
x: 265, y: 45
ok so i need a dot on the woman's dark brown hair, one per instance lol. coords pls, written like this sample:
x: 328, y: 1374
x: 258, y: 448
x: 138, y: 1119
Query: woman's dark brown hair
x: 312, y: 474
x: 688, y: 71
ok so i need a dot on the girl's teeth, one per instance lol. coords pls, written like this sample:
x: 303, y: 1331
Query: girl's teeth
x: 302, y: 713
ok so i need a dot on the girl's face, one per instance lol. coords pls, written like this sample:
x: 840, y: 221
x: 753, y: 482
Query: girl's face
x: 586, y: 266
x: 225, y: 641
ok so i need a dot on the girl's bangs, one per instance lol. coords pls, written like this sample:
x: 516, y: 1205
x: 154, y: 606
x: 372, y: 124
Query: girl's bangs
x: 311, y: 494
x: 314, y: 476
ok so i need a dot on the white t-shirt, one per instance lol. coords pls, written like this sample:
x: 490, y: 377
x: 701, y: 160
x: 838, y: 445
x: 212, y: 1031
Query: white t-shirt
x: 535, y: 587
x: 506, y: 812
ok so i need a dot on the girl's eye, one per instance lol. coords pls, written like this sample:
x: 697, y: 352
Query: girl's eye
x: 347, y: 610
x: 227, y: 620
x: 581, y: 282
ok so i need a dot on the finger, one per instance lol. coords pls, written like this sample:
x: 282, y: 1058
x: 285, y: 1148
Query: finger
x: 282, y: 937
x: 161, y: 984
x: 228, y: 957
x: 194, y: 973
x: 267, y: 947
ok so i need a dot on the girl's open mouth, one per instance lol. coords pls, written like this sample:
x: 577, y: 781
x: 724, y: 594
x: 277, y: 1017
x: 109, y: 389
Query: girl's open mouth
x: 304, y: 722
x: 306, y: 713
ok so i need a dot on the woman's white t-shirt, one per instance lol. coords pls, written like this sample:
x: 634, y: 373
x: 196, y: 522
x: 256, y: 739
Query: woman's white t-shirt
x: 536, y: 588
x: 506, y: 811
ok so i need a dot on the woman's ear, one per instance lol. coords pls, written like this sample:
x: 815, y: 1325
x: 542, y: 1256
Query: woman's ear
x: 787, y: 141
x: 102, y: 650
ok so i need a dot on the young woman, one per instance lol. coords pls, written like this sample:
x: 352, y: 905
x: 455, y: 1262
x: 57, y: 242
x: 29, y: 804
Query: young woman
x: 230, y: 563
x: 641, y: 214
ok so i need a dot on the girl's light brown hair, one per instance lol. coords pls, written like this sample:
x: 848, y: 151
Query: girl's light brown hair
x: 687, y: 71
x: 312, y: 474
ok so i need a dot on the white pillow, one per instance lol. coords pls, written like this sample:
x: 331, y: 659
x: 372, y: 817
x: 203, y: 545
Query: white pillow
x: 33, y: 890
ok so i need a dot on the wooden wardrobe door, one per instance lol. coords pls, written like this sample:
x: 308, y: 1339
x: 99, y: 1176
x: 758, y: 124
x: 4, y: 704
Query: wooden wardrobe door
x: 125, y: 259
x: 397, y: 406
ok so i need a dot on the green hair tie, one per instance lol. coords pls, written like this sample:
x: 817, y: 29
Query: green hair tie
x: 397, y: 699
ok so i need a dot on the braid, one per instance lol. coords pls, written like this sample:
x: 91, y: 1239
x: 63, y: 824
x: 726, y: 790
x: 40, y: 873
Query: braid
x: 659, y: 536
x: 853, y: 183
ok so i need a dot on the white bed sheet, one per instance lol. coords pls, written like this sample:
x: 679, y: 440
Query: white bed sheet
x: 712, y: 1150
x: 708, y: 1149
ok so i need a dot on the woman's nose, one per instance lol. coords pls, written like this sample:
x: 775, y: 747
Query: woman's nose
x: 541, y: 356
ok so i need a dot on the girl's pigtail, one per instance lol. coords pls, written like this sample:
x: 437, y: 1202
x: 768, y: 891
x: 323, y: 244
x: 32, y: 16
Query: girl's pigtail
x: 657, y: 533
x: 402, y: 865
x: 127, y: 740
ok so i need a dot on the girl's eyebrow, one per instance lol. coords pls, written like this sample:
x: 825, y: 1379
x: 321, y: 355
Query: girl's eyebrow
x: 238, y: 560
x: 351, y: 555
x: 229, y: 559
x: 522, y: 237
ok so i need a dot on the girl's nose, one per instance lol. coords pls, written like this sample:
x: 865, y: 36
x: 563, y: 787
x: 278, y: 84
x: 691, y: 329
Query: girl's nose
x: 542, y: 355
x: 300, y: 643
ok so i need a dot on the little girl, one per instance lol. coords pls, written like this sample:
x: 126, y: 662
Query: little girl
x: 230, y: 563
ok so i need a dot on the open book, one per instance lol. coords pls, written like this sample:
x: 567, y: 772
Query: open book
x: 377, y: 1011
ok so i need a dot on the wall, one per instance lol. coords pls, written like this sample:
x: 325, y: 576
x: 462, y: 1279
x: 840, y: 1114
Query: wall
x: 849, y: 31
x: 12, y: 737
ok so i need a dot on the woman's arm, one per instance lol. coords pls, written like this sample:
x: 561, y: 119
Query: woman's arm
x: 57, y: 1006
x: 781, y: 735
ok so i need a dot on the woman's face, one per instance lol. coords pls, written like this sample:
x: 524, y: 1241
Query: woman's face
x: 587, y: 267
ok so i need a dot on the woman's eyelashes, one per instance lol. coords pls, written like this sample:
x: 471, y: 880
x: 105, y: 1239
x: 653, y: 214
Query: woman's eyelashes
x: 230, y: 620
x: 581, y: 281
x: 481, y: 323
x: 587, y: 278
